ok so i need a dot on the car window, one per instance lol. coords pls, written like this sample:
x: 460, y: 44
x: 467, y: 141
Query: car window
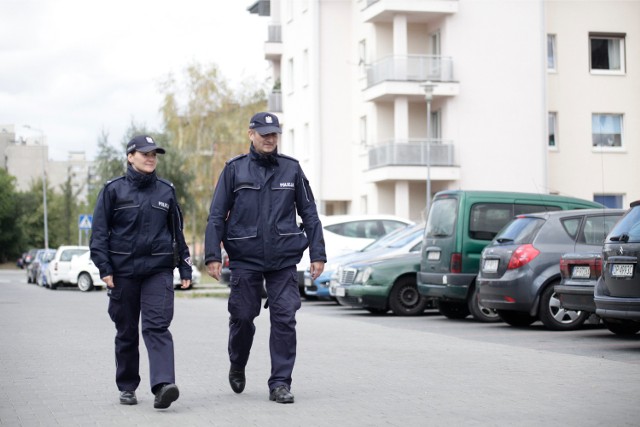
x: 520, y: 209
x: 596, y: 228
x: 520, y: 230
x: 417, y: 247
x: 442, y: 218
x: 387, y: 239
x: 571, y: 226
x: 629, y: 225
x: 388, y: 226
x: 69, y: 253
x: 486, y: 219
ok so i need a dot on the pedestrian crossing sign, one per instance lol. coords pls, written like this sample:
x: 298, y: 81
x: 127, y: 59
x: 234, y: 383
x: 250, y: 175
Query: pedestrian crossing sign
x: 84, y: 222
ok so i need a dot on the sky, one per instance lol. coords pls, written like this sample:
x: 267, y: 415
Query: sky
x: 70, y: 69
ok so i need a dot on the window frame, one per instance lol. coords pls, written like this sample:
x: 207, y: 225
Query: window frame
x: 599, y: 147
x: 552, y: 129
x: 621, y: 38
x: 552, y: 54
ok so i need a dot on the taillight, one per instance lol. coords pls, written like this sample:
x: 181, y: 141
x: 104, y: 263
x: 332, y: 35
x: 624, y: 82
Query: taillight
x: 522, y: 256
x: 564, y: 268
x: 456, y: 262
x: 597, y: 267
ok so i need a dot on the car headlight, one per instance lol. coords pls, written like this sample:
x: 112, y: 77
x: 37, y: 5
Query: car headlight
x: 363, y: 275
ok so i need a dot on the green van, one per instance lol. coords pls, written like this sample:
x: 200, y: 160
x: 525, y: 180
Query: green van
x: 460, y: 224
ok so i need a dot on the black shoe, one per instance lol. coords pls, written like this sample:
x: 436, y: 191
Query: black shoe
x: 281, y: 394
x: 237, y: 380
x: 167, y: 394
x: 128, y: 398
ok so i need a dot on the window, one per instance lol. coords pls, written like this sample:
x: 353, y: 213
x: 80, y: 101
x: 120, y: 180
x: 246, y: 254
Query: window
x: 607, y: 53
x: 553, y: 131
x: 596, y: 228
x: 305, y: 67
x: 362, y: 56
x: 551, y: 52
x: 363, y: 130
x: 606, y: 130
x: 290, y: 79
x: 613, y: 201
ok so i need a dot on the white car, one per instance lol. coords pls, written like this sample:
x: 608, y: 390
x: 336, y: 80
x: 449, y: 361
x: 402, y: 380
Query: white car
x: 58, y: 269
x: 349, y: 233
x: 86, y: 275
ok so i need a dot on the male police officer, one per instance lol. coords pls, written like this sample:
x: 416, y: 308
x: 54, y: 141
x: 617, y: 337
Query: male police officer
x: 253, y: 212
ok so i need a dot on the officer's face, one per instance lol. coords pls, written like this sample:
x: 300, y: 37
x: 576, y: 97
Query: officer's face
x: 264, y: 144
x: 143, y: 162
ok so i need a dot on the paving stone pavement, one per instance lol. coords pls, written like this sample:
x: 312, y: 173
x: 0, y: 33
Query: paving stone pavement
x: 57, y: 369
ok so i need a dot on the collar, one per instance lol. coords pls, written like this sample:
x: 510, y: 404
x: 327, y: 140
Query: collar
x: 264, y: 159
x: 140, y: 180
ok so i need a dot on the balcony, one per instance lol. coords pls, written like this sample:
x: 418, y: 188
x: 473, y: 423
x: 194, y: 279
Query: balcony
x: 416, y: 10
x: 273, y: 45
x: 408, y: 160
x: 403, y: 74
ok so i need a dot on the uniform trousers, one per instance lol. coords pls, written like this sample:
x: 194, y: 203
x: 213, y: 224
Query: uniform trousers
x: 149, y: 298
x: 244, y: 304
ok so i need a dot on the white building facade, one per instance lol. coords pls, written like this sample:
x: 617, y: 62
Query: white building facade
x: 354, y: 108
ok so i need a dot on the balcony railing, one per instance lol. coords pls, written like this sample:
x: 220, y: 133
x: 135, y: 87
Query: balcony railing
x: 274, y: 103
x: 275, y: 33
x: 411, y: 68
x: 412, y: 153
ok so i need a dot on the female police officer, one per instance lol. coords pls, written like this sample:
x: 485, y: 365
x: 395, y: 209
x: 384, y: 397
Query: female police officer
x: 136, y: 218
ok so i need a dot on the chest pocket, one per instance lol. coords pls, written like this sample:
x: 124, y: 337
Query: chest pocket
x: 243, y: 223
x: 125, y: 211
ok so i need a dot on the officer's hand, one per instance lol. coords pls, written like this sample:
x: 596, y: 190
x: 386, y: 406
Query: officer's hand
x: 316, y: 269
x: 186, y: 283
x: 108, y: 280
x: 214, y: 269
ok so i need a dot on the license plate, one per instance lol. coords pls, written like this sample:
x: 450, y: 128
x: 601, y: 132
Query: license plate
x: 341, y: 292
x: 490, y: 265
x: 433, y: 255
x: 622, y: 270
x: 581, y: 272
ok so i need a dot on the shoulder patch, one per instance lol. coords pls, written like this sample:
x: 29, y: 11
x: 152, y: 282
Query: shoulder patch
x: 236, y: 158
x: 112, y: 180
x: 284, y: 156
x: 167, y: 182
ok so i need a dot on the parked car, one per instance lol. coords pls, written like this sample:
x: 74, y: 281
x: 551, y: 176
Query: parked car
x: 33, y: 269
x: 459, y: 226
x: 57, y: 272
x: 521, y: 266
x: 20, y: 261
x: 42, y: 266
x: 28, y: 258
x: 195, y: 277
x: 400, y: 240
x: 348, y: 233
x: 617, y: 292
x: 579, y: 273
x: 384, y: 283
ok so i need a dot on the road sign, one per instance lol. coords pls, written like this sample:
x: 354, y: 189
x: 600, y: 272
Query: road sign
x: 84, y: 222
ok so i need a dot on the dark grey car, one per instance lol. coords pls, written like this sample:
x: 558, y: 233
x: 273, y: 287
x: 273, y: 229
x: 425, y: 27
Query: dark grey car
x: 521, y: 265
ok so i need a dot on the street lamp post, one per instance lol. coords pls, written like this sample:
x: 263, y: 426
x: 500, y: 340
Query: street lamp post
x: 44, y: 188
x: 428, y: 87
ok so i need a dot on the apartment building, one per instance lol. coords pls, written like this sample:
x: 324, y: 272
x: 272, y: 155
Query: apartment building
x: 386, y: 102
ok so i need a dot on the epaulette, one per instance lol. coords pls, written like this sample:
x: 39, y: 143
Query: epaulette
x: 288, y: 157
x: 236, y: 158
x: 169, y: 183
x: 112, y: 180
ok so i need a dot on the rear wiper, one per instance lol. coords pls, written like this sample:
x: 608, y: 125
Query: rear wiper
x: 504, y: 240
x: 621, y: 238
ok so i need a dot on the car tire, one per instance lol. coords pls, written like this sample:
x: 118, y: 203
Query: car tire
x: 453, y: 310
x: 622, y: 327
x: 480, y: 312
x: 516, y: 318
x: 556, y: 318
x: 53, y: 286
x: 85, y: 283
x: 404, y: 298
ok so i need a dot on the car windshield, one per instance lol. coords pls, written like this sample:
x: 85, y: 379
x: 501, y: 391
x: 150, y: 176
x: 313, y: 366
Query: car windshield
x: 386, y: 240
x: 520, y: 230
x: 442, y: 217
x: 405, y: 240
x: 628, y: 228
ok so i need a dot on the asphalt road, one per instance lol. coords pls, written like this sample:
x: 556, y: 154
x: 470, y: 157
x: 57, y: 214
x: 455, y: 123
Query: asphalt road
x: 353, y: 369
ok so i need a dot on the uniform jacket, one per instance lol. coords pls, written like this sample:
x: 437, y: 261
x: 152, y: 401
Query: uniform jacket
x: 253, y: 212
x: 131, y: 232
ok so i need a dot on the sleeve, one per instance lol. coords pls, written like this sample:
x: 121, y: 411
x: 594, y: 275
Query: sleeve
x: 220, y: 206
x: 100, y: 230
x: 306, y: 207
x: 184, y: 267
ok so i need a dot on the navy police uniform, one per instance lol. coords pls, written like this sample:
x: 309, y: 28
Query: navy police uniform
x: 253, y: 212
x: 132, y: 241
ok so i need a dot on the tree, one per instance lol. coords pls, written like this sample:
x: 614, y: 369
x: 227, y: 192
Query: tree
x: 11, y: 236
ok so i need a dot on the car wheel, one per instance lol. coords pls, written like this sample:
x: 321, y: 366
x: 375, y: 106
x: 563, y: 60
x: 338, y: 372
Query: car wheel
x: 622, y: 327
x: 554, y: 316
x: 453, y: 310
x: 85, y: 283
x: 404, y: 298
x: 516, y: 318
x: 479, y: 311
x: 376, y: 310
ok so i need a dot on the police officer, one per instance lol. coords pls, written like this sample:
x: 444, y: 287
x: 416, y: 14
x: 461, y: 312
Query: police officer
x: 135, y: 222
x: 253, y: 212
